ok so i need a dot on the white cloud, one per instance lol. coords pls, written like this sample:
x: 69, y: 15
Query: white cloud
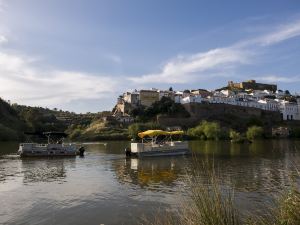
x: 22, y: 82
x: 3, y: 39
x: 282, y: 33
x: 276, y: 78
x: 184, y: 69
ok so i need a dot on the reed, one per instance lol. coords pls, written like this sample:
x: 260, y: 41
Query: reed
x: 285, y: 211
x: 209, y: 202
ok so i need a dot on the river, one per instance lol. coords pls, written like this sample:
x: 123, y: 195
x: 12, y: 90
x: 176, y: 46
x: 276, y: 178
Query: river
x: 104, y: 187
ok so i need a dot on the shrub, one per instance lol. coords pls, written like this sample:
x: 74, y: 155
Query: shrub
x: 254, y: 132
x: 206, y: 130
x: 235, y: 136
x: 211, y: 130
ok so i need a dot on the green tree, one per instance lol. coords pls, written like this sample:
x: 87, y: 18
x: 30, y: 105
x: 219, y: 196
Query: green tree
x: 206, y: 130
x: 235, y: 136
x: 212, y: 130
x: 254, y: 132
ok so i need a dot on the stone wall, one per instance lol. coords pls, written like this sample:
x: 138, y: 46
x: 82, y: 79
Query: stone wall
x: 226, y: 114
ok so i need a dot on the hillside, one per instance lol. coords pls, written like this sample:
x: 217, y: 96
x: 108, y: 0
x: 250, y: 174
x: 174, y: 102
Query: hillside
x: 11, y: 126
x: 16, y: 119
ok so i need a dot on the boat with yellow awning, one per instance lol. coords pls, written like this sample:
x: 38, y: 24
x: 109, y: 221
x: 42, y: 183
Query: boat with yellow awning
x: 158, y: 143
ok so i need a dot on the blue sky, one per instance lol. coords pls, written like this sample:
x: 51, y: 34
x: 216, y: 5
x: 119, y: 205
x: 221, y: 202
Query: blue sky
x: 79, y: 55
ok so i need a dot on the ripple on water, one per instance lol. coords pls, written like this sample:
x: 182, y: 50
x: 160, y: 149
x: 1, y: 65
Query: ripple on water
x: 106, y: 187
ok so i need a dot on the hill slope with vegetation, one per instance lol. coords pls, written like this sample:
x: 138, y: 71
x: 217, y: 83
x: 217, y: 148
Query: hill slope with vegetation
x: 11, y: 126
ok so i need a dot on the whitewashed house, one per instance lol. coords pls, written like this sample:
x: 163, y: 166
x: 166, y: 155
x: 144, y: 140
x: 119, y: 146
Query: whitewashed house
x: 289, y: 110
x: 227, y: 92
x: 178, y: 96
x: 191, y: 99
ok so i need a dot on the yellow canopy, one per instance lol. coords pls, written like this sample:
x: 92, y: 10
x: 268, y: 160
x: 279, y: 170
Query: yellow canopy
x: 152, y: 133
x: 176, y: 132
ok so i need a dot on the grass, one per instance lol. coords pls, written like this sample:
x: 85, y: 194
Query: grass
x: 211, y: 203
x: 286, y: 210
x: 208, y: 202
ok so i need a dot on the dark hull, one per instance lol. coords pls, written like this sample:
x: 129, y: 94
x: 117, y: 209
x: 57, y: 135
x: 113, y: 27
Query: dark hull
x: 162, y: 153
x: 47, y: 154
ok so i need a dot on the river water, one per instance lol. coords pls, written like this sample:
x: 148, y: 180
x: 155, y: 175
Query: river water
x: 104, y: 187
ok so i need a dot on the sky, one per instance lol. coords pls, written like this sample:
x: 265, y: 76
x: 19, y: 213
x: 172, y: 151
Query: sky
x: 80, y: 55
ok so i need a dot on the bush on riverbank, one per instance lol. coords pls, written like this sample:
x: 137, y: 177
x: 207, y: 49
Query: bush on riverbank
x: 208, y: 131
x: 235, y: 136
x: 205, y: 130
x: 254, y: 132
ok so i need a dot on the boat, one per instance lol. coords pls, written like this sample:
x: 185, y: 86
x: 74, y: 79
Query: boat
x: 158, y: 143
x: 55, y: 146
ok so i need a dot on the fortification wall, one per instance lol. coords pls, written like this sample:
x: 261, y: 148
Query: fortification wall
x: 226, y: 114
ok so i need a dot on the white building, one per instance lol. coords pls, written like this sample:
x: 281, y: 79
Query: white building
x: 258, y: 94
x: 268, y: 104
x: 168, y: 94
x: 289, y: 110
x: 227, y: 93
x: 191, y: 99
x: 132, y: 97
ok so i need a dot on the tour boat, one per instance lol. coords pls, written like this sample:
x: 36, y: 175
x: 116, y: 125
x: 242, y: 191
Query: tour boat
x: 158, y: 143
x: 54, y: 147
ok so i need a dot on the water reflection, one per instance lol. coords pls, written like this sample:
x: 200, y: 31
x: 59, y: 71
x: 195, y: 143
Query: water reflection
x: 151, y: 172
x: 262, y: 166
x: 106, y: 187
x: 45, y: 170
x: 34, y: 170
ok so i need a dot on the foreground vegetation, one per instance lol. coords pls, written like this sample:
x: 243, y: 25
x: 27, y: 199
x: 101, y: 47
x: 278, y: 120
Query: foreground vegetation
x: 209, y: 202
x: 213, y: 131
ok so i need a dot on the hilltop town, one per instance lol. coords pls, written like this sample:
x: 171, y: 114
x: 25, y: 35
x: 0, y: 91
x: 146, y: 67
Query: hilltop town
x: 236, y: 106
x: 249, y: 95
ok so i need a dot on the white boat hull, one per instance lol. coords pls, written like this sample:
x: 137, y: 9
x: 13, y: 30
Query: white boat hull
x: 167, y: 149
x: 39, y: 150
